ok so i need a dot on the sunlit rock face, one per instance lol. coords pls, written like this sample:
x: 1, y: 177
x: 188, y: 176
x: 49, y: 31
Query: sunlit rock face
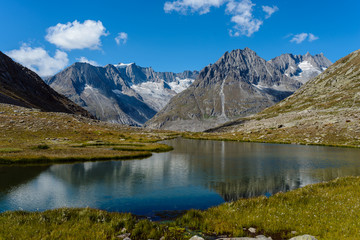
x: 121, y: 93
x: 239, y: 84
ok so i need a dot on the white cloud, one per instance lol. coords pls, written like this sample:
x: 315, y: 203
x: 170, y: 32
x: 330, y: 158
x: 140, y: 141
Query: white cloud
x: 85, y: 60
x: 270, y: 10
x: 245, y: 23
x: 201, y: 6
x: 301, y: 37
x: 121, y: 38
x: 241, y: 12
x: 312, y: 37
x: 77, y: 35
x: 38, y: 60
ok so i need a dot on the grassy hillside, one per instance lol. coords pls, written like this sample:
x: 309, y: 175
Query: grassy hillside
x: 28, y: 136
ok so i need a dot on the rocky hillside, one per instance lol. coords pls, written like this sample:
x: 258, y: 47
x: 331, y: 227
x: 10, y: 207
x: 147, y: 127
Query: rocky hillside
x: 326, y: 110
x: 239, y: 84
x: 21, y: 86
x: 123, y: 93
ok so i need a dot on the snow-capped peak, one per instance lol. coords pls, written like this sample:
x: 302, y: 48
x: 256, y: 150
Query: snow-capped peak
x: 123, y: 65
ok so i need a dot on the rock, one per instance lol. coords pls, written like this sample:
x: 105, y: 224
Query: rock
x: 252, y: 230
x: 124, y: 236
x: 196, y: 237
x: 260, y: 237
x: 304, y: 237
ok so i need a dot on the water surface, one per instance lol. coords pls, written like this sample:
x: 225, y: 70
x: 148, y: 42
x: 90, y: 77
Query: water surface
x: 197, y: 174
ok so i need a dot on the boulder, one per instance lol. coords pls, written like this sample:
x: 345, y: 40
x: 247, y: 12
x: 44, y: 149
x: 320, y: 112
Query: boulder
x: 304, y: 237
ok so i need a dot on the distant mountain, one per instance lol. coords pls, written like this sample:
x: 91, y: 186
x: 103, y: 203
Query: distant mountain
x: 326, y: 110
x: 301, y: 67
x: 239, y: 84
x: 21, y: 86
x: 122, y: 93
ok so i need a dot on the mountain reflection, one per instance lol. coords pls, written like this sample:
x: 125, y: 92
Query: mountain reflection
x: 13, y: 176
x: 197, y: 174
x: 234, y: 170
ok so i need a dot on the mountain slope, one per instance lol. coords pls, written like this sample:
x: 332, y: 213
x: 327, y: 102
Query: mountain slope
x: 123, y: 93
x: 21, y: 86
x: 326, y: 110
x: 239, y: 84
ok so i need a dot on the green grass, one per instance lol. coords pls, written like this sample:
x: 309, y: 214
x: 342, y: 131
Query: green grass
x: 41, y: 147
x: 40, y: 137
x: 10, y: 150
x: 327, y: 211
x: 149, y: 147
x: 80, y: 224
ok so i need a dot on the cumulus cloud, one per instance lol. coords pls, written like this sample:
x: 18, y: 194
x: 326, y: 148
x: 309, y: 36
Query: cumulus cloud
x: 121, y: 38
x: 270, y: 10
x: 245, y: 23
x: 76, y: 35
x: 241, y: 12
x: 38, y: 60
x: 85, y: 60
x: 200, y: 6
x: 301, y: 37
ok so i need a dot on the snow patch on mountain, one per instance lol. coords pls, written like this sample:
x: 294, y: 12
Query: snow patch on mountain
x: 308, y: 71
x: 154, y: 94
x: 181, y: 84
x: 158, y: 94
x: 123, y: 65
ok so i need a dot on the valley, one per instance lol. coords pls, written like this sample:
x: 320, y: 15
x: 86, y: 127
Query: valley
x: 217, y: 150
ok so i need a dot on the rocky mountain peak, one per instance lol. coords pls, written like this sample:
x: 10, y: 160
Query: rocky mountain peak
x: 121, y: 93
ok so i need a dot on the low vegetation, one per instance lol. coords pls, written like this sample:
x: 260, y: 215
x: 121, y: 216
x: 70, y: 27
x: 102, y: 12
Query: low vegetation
x: 28, y: 136
x: 326, y: 210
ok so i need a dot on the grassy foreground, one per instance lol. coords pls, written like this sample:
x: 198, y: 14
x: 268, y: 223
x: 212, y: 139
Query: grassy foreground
x: 31, y: 136
x: 326, y: 210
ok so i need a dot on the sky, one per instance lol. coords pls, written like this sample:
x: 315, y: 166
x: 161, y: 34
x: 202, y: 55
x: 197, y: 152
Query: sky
x: 172, y: 35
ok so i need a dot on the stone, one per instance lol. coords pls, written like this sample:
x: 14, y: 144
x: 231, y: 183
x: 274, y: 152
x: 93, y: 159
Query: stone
x: 252, y: 230
x: 196, y: 237
x: 124, y: 236
x: 304, y: 237
x: 260, y: 237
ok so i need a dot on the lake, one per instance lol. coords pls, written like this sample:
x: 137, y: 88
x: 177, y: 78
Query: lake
x: 196, y: 174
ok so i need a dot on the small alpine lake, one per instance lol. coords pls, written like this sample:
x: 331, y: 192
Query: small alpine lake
x: 196, y: 174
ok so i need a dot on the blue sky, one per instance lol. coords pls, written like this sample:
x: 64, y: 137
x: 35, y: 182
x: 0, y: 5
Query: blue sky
x: 173, y: 35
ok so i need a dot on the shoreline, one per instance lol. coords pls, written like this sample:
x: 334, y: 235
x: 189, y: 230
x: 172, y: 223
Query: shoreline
x: 328, y: 204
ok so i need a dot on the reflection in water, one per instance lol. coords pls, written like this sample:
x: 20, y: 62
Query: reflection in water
x: 12, y: 176
x: 197, y: 174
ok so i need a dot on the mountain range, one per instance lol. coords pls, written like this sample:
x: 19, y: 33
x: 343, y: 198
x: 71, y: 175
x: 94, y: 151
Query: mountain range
x: 121, y: 93
x: 22, y: 87
x: 326, y: 110
x: 239, y: 84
